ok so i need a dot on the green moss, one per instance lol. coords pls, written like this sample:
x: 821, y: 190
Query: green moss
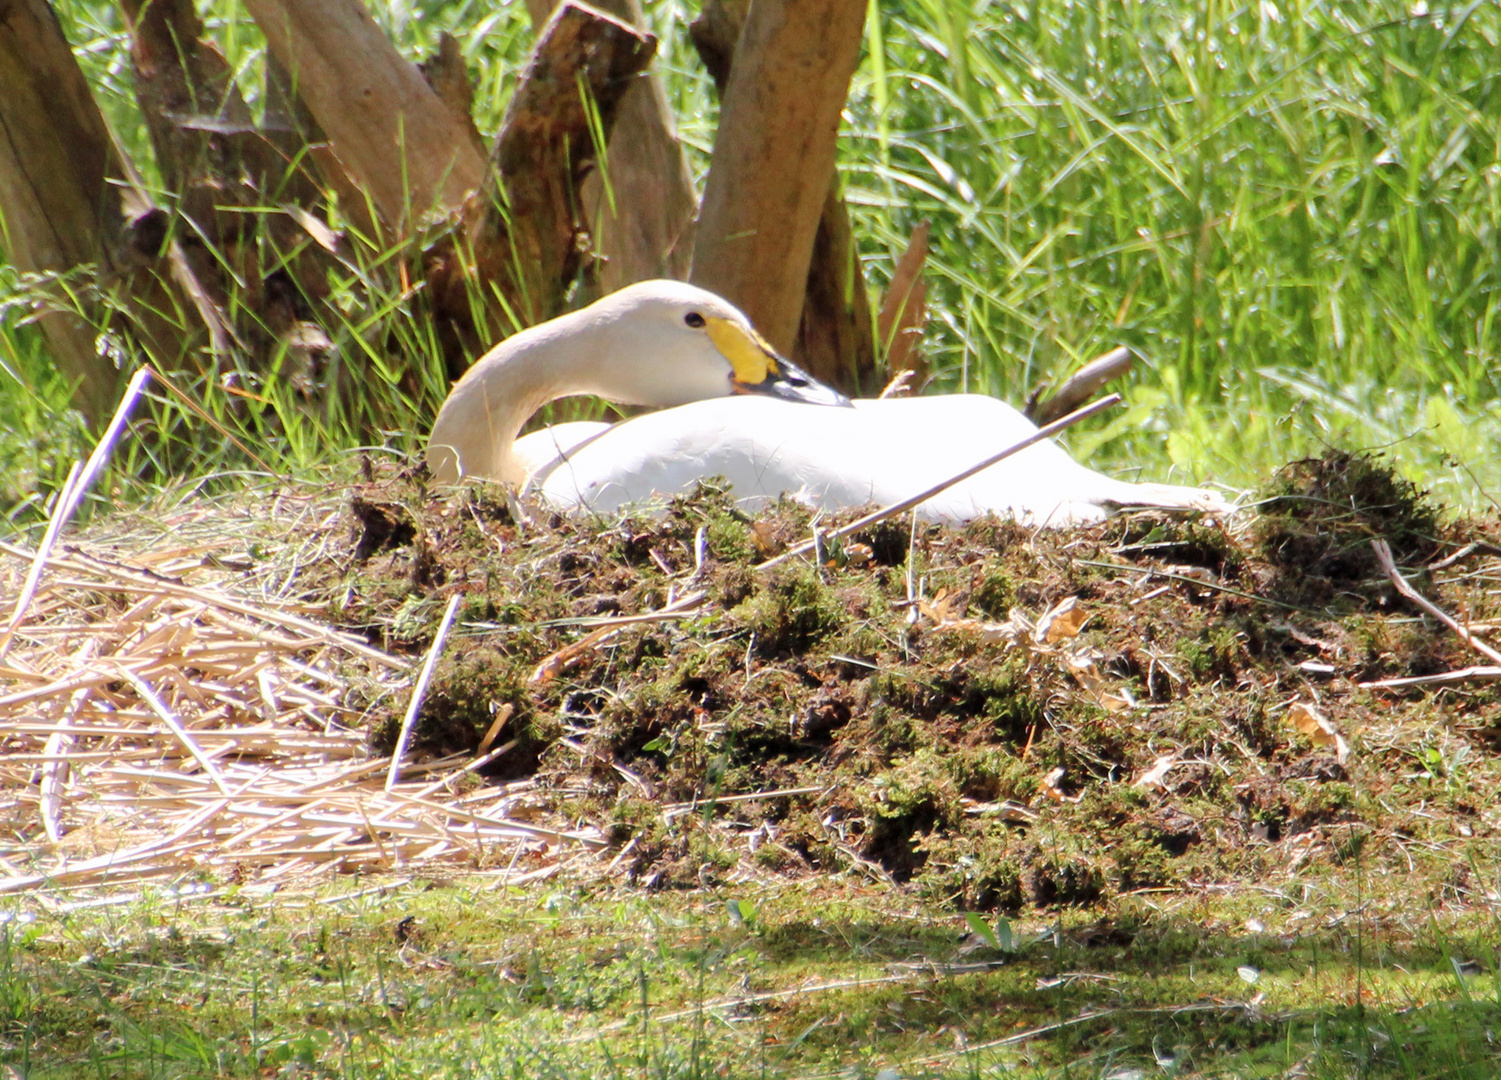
x: 790, y: 612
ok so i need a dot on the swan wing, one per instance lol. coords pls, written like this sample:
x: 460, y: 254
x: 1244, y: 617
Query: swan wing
x: 878, y: 452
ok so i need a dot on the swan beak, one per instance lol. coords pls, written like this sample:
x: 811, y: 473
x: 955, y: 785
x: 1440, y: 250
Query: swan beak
x: 787, y: 381
x: 759, y: 370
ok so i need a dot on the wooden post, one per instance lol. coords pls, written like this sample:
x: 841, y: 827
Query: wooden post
x: 389, y: 129
x: 772, y: 182
x: 648, y: 231
x: 522, y: 230
x: 58, y: 209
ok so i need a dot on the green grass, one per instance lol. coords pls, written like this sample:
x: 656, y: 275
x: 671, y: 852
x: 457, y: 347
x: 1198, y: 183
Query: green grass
x: 1289, y: 209
x: 576, y: 983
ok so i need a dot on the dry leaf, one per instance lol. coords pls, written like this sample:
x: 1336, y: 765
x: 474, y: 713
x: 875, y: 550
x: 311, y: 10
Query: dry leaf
x: 1081, y: 662
x: 1051, y: 789
x: 899, y: 325
x: 1154, y: 776
x: 1063, y: 621
x: 763, y: 536
x: 944, y: 608
x: 1319, y: 729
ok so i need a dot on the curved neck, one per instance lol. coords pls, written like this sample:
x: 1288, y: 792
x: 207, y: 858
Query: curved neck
x: 478, y: 425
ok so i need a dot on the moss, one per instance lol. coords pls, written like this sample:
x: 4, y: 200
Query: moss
x: 994, y: 594
x: 791, y: 612
x: 973, y: 873
x: 1319, y: 515
x: 904, y: 738
x: 469, y: 689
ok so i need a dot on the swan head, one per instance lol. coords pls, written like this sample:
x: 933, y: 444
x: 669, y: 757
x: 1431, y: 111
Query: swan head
x: 660, y: 343
x: 671, y: 343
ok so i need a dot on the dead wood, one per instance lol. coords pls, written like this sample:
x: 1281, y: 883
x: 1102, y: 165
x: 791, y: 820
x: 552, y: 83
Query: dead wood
x: 1388, y: 565
x: 904, y: 312
x: 772, y: 170
x: 640, y: 205
x: 523, y: 230
x: 219, y: 171
x: 835, y: 339
x: 388, y: 127
x: 447, y: 74
x: 200, y: 126
x: 61, y: 207
x: 1080, y: 386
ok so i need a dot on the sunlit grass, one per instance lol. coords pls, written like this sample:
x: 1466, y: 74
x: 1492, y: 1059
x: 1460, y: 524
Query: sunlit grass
x: 1288, y: 210
x: 832, y: 980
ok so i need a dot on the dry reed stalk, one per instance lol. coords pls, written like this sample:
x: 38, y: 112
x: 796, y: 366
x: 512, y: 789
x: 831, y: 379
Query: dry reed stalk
x: 153, y: 727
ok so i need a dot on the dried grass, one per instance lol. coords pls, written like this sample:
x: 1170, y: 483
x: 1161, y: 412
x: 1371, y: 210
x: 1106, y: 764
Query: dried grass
x: 155, y: 721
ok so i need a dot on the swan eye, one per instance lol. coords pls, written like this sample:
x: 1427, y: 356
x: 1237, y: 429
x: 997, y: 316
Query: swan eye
x: 694, y: 319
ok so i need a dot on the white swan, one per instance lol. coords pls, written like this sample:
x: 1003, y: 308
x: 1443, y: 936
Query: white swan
x: 746, y: 414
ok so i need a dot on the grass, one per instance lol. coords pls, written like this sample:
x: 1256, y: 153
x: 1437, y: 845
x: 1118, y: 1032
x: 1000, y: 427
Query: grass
x: 1288, y: 209
x: 838, y: 980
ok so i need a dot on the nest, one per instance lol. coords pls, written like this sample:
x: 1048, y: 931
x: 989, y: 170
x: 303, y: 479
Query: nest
x: 158, y: 720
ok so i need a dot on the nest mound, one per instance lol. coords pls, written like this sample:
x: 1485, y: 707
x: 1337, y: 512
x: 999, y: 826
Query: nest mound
x: 991, y: 715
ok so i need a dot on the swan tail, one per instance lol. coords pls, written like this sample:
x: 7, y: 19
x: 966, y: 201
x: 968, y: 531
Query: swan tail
x: 1171, y: 497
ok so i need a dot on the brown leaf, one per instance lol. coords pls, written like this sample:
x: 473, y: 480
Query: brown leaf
x: 1320, y: 730
x: 899, y: 326
x: 1063, y: 621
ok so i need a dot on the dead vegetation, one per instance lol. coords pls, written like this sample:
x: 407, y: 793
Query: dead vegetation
x: 993, y: 716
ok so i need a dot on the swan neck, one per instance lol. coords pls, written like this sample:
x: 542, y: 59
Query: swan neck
x: 527, y: 377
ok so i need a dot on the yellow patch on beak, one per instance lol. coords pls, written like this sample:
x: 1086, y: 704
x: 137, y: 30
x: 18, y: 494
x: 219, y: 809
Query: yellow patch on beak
x: 751, y: 358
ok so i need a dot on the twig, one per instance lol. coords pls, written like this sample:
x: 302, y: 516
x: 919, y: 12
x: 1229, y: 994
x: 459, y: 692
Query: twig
x: 1480, y: 673
x: 560, y: 661
x: 77, y: 484
x: 1157, y: 571
x: 1383, y: 552
x: 149, y: 696
x: 202, y: 414
x: 1040, y: 435
x: 1078, y: 387
x: 420, y: 691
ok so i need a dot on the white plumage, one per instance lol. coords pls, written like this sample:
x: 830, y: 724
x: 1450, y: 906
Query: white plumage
x: 666, y: 343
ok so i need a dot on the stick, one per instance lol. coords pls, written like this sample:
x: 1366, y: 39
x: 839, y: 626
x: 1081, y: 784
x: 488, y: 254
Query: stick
x: 425, y: 677
x: 1037, y: 436
x: 159, y: 707
x: 555, y: 664
x: 1479, y: 673
x: 1077, y: 388
x: 71, y: 495
x: 1383, y: 552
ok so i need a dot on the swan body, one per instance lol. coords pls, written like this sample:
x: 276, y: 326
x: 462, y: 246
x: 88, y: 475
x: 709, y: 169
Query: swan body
x: 768, y: 438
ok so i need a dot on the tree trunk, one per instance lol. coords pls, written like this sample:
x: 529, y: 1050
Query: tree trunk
x: 835, y: 338
x: 524, y: 229
x: 58, y: 207
x: 392, y: 133
x: 773, y: 164
x: 645, y: 230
